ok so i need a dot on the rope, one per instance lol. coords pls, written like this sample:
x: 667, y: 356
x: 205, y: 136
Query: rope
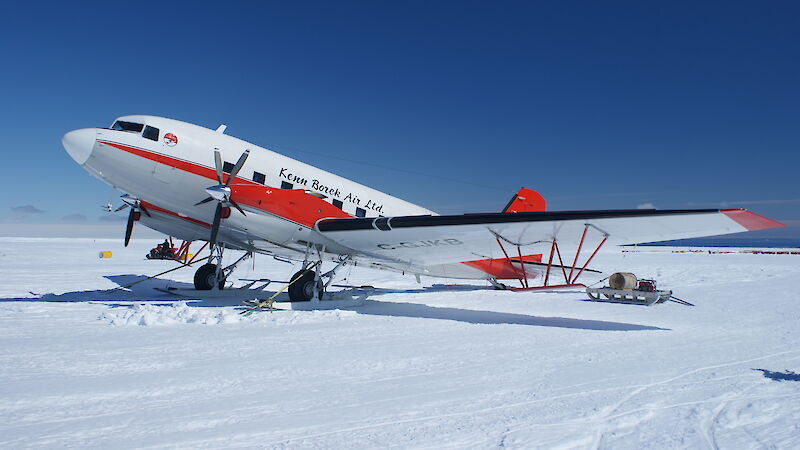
x: 600, y: 281
x: 677, y: 300
x: 270, y: 300
x: 156, y: 275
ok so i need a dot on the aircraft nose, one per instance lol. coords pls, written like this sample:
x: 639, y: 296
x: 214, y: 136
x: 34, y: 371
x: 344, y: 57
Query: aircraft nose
x: 79, y: 144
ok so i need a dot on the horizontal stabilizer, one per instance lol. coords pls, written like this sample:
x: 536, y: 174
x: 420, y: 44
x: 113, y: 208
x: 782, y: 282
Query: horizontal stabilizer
x: 556, y: 266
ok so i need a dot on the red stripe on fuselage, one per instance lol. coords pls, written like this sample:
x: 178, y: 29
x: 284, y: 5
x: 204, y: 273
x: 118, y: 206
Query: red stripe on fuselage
x: 303, y: 208
x: 293, y: 205
x: 150, y: 206
x: 180, y: 164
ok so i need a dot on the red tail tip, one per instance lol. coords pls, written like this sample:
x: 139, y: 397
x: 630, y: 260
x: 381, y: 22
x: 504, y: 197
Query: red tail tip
x: 526, y: 200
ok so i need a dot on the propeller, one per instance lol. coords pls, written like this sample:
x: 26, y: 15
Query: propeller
x: 222, y: 192
x: 135, y: 205
x: 129, y: 226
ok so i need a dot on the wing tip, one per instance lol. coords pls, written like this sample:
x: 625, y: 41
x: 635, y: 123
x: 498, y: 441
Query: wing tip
x: 750, y: 220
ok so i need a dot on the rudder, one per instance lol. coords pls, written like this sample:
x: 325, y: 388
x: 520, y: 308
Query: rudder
x: 526, y: 200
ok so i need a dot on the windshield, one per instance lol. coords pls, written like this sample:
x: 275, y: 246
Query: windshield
x: 127, y: 126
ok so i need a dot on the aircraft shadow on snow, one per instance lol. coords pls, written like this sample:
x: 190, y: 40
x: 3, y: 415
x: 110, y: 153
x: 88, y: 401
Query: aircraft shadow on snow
x: 145, y: 291
x: 786, y: 375
x: 380, y: 308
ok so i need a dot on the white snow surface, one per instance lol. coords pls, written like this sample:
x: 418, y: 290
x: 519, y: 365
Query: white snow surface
x: 444, y: 364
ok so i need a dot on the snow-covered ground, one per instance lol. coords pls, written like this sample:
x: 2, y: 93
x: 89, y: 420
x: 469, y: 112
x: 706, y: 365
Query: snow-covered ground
x: 445, y: 364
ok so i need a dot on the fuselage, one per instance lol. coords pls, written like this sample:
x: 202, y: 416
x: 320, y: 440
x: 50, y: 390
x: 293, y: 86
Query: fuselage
x: 169, y: 164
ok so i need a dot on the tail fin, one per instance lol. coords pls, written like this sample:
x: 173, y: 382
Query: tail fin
x: 526, y: 200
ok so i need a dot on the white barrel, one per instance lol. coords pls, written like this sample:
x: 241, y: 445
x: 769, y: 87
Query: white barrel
x: 622, y: 280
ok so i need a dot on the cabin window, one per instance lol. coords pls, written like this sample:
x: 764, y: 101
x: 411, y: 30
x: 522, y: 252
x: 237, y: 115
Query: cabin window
x: 150, y: 133
x: 361, y: 212
x: 337, y: 203
x: 285, y: 185
x: 227, y: 167
x: 130, y: 127
x: 259, y: 178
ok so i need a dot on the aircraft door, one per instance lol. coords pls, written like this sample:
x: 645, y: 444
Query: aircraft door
x: 161, y: 141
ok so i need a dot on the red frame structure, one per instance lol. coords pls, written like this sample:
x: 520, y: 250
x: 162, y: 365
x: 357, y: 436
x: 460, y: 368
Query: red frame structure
x: 182, y: 254
x: 569, y: 280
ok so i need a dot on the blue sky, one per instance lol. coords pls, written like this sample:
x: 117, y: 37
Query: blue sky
x: 450, y: 105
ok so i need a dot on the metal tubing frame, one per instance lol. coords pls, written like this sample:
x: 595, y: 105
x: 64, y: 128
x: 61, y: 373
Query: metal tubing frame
x: 561, y: 262
x: 577, y: 252
x: 605, y: 238
x: 183, y: 252
x: 332, y: 273
x: 545, y: 288
x: 549, y: 262
x: 216, y: 258
x: 522, y: 264
x: 198, y: 253
x: 509, y: 260
x: 317, y: 275
x: 569, y: 281
x: 227, y: 271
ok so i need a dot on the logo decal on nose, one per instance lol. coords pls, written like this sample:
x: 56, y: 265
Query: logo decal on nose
x: 170, y: 139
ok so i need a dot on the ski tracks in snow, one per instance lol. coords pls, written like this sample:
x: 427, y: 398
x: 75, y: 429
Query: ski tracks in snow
x: 402, y: 376
x: 608, y: 415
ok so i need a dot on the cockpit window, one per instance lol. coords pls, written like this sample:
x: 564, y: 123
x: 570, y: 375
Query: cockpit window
x: 127, y: 126
x: 150, y: 133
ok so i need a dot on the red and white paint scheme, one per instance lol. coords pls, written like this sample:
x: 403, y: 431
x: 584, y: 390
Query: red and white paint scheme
x: 177, y: 174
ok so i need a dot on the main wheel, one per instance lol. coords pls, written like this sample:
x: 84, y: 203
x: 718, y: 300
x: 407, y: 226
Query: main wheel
x: 302, y: 290
x: 204, y: 278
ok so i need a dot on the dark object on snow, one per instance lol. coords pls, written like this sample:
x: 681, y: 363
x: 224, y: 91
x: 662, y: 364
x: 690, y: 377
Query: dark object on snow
x: 787, y: 375
x: 162, y: 251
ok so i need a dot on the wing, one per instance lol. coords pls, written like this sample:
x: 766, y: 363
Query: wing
x: 429, y: 240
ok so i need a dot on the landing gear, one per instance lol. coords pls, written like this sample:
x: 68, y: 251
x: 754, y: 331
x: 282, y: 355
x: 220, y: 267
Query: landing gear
x: 205, y: 277
x: 304, y: 286
x: 307, y: 282
x: 213, y: 274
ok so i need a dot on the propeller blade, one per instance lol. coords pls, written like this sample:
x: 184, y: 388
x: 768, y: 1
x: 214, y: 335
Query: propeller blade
x: 236, y: 205
x: 215, y: 226
x: 144, y: 210
x: 237, y: 167
x: 129, y: 227
x: 121, y: 207
x: 218, y: 165
x: 205, y: 200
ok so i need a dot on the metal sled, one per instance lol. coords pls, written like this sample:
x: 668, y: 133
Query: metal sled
x: 628, y: 296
